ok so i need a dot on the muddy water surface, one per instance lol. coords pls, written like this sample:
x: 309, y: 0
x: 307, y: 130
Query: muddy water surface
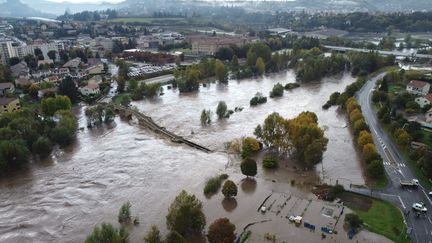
x: 62, y: 199
x: 181, y: 114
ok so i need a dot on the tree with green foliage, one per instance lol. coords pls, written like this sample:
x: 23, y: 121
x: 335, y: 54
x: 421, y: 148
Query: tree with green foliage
x: 229, y: 189
x: 298, y: 136
x: 153, y: 236
x: 124, y: 215
x: 221, y: 110
x: 369, y: 153
x: 174, y: 237
x: 13, y: 153
x: 376, y: 168
x: 277, y: 91
x: 125, y: 100
x: 221, y: 72
x: 402, y: 137
x: 205, y: 117
x: 42, y: 147
x: 249, y: 145
x: 234, y: 63
x: 185, y: 215
x: 50, y: 106
x: 106, y: 233
x: 69, y: 88
x: 260, y: 66
x: 248, y: 167
x: 221, y: 231
x: 353, y: 221
x: 270, y: 162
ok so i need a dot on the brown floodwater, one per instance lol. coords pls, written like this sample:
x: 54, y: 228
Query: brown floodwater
x: 63, y: 198
x: 181, y: 113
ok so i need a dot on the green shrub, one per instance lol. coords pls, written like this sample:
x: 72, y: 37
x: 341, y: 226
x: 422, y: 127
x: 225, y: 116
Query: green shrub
x: 334, y: 192
x: 213, y: 184
x: 353, y: 220
x: 270, y: 162
x: 124, y: 216
x: 277, y: 90
x: 291, y: 86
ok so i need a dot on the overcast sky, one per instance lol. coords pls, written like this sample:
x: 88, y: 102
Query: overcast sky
x: 86, y: 1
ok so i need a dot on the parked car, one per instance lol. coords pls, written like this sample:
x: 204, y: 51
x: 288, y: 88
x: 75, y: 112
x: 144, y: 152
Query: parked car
x: 419, y: 207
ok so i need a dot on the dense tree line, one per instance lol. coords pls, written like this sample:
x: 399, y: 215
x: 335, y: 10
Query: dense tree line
x: 28, y: 132
x: 188, y: 79
x: 361, y: 21
x: 89, y: 15
x: 365, y: 143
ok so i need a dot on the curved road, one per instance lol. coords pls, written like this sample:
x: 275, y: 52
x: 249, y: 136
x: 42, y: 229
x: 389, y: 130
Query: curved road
x: 397, y: 169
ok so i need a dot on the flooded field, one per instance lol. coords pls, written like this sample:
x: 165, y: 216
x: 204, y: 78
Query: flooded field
x: 62, y: 199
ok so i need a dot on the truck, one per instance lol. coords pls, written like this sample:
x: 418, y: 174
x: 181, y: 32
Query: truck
x: 410, y: 183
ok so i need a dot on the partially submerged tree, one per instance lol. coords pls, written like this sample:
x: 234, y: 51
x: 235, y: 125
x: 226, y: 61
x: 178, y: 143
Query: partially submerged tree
x: 124, y: 216
x: 229, y: 189
x: 153, y: 236
x: 221, y: 231
x: 185, y: 215
x: 248, y: 167
x: 108, y: 234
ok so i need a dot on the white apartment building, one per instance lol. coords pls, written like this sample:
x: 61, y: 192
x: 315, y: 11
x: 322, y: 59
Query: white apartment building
x: 9, y: 49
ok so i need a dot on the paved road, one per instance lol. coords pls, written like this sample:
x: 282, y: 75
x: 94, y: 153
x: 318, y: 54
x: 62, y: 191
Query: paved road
x: 397, y: 169
x: 386, y: 53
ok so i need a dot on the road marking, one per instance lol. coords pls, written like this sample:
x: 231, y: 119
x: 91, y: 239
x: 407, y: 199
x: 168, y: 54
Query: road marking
x: 400, y: 199
x: 401, y: 173
x: 427, y: 196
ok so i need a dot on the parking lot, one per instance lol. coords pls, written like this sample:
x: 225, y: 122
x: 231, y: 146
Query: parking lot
x: 141, y: 69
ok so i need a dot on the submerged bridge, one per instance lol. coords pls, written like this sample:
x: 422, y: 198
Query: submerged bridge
x: 148, y: 122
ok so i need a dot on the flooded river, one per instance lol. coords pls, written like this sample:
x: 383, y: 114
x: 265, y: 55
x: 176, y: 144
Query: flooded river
x: 62, y: 199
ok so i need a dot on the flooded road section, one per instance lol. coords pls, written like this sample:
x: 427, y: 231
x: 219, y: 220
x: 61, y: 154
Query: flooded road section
x: 62, y: 199
x: 181, y: 114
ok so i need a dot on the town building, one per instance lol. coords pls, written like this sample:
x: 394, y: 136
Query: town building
x: 418, y: 87
x: 6, y: 88
x: 20, y: 69
x: 424, y: 100
x: 429, y: 116
x: 9, y: 49
x: 90, y: 89
x: 209, y: 45
x: 9, y: 104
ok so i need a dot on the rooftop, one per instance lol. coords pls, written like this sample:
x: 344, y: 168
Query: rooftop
x: 6, y: 101
x: 417, y: 84
x: 6, y: 85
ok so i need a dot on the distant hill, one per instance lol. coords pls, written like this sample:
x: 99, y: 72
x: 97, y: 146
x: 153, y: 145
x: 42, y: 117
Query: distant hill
x: 15, y: 8
x: 292, y: 5
x: 59, y: 8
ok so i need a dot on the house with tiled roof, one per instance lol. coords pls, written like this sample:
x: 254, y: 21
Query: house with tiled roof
x: 418, y: 87
x: 9, y: 104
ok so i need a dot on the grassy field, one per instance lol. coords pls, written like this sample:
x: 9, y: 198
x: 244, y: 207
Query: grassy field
x: 144, y: 20
x: 395, y: 88
x: 380, y: 183
x: 378, y: 216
